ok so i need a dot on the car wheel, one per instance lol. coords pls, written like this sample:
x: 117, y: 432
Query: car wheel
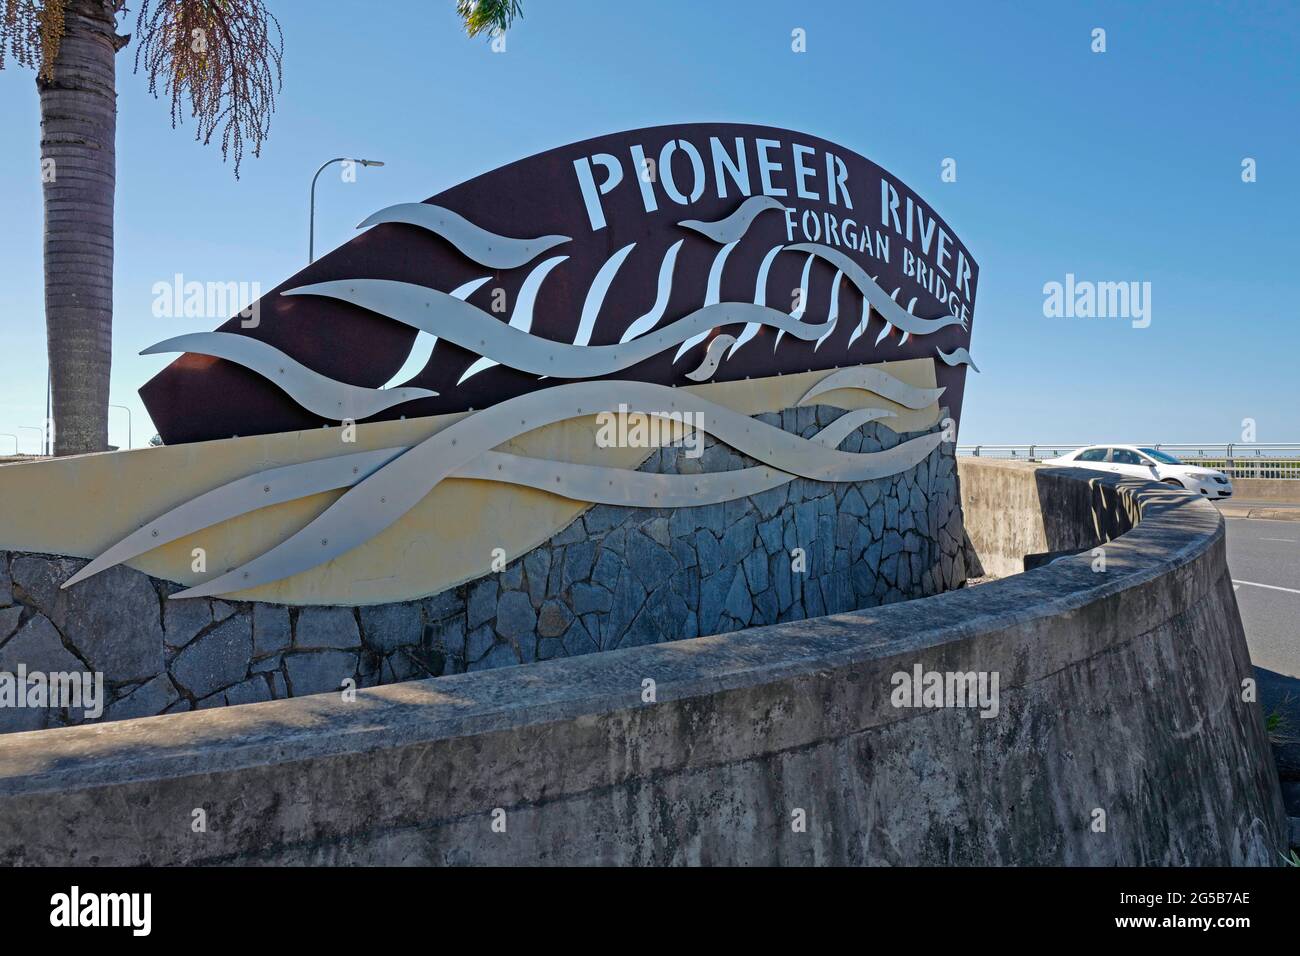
x: 1173, y: 481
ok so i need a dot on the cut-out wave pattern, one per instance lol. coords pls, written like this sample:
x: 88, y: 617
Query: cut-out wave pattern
x: 470, y: 327
x: 882, y: 302
x: 315, y: 392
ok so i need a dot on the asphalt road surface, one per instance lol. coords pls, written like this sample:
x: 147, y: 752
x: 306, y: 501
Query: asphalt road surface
x: 1264, y: 560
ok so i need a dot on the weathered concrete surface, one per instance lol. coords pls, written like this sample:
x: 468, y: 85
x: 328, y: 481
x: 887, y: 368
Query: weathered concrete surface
x: 1120, y: 694
x: 1009, y: 515
x: 1284, y: 490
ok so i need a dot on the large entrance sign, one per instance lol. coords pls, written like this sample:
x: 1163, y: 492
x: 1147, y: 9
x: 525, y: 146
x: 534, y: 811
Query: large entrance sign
x: 651, y: 386
x: 668, y: 255
x: 593, y: 278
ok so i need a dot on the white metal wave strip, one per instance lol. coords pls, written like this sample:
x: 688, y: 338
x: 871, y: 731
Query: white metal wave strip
x: 315, y: 392
x: 798, y: 311
x: 893, y: 313
x: 483, y: 246
x: 875, y: 380
x: 704, y: 371
x: 760, y: 298
x: 862, y: 322
x: 522, y: 316
x: 422, y: 348
x: 260, y: 490
x: 712, y: 296
x: 958, y: 356
x: 663, y: 290
x: 834, y: 314
x: 733, y: 227
x: 596, y: 294
x: 598, y: 484
x: 470, y: 327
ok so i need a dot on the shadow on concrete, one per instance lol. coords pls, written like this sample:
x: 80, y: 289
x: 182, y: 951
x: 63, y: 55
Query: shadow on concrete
x: 1279, y: 697
x: 1073, y: 522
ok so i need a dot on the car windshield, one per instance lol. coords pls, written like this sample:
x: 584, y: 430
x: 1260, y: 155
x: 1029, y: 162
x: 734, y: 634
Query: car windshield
x: 1160, y: 456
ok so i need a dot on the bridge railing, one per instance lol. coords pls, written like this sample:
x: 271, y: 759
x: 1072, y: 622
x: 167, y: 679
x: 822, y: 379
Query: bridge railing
x: 1238, y: 459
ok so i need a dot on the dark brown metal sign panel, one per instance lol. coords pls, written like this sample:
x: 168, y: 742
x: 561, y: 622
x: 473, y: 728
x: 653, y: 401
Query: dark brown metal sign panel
x: 647, y: 227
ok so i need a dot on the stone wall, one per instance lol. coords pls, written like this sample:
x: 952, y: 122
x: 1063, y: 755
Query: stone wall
x: 615, y: 578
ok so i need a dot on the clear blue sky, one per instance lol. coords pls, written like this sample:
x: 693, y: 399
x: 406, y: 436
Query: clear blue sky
x: 1117, y: 166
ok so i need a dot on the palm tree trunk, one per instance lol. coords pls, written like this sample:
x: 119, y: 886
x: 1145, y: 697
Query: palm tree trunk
x: 78, y: 129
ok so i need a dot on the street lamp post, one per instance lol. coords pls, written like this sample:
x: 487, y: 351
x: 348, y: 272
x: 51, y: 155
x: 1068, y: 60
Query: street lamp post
x: 311, y: 228
x: 128, y: 423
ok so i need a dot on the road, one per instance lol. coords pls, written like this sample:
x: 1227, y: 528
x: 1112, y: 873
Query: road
x: 1260, y: 508
x: 1264, y: 560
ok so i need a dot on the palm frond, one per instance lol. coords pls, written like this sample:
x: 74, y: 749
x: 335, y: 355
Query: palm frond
x: 492, y: 16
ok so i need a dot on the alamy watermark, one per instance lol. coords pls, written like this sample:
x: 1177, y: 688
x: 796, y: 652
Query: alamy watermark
x: 628, y: 429
x: 75, y: 690
x: 75, y: 908
x: 938, y: 689
x: 1084, y: 299
x: 179, y: 299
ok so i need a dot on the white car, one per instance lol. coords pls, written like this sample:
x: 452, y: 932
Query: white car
x: 1152, y: 464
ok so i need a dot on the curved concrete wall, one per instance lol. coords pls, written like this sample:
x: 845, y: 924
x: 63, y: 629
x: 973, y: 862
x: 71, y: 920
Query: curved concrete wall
x: 1014, y: 511
x: 1283, y: 490
x: 1121, y: 736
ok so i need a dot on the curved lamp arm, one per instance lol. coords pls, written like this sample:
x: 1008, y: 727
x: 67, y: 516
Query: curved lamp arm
x: 311, y: 227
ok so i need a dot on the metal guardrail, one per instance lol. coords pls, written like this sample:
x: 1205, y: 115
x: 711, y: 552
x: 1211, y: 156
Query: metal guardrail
x: 1236, y: 459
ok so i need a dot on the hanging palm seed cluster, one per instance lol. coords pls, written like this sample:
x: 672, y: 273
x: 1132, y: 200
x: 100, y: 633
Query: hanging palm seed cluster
x: 220, y: 60
x: 30, y: 32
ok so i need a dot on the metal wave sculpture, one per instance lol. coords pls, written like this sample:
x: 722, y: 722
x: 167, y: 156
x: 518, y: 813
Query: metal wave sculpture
x: 600, y: 270
x: 449, y: 316
x: 386, y: 483
x: 470, y: 327
x: 601, y: 282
